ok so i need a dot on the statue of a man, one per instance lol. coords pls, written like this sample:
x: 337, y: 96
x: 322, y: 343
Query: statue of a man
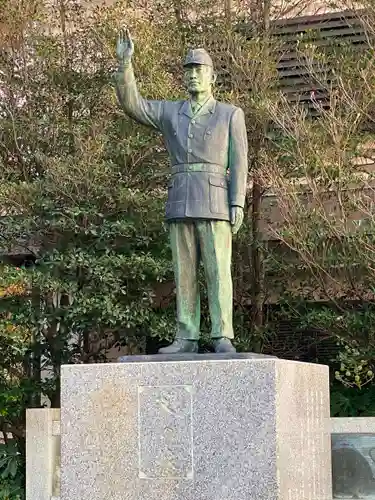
x: 207, y: 145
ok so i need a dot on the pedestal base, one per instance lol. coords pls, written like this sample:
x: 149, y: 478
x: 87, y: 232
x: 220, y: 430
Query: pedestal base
x: 242, y: 428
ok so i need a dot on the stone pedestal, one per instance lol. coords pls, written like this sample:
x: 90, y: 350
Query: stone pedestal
x: 213, y: 427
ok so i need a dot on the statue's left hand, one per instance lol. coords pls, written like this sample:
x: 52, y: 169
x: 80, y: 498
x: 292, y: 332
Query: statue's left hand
x: 236, y: 218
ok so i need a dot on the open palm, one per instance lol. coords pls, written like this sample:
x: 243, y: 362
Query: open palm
x: 125, y: 46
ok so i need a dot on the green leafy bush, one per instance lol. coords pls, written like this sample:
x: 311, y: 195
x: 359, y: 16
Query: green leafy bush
x: 11, y: 472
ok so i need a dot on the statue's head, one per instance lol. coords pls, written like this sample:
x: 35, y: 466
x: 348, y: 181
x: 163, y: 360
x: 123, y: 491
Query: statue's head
x: 199, y: 75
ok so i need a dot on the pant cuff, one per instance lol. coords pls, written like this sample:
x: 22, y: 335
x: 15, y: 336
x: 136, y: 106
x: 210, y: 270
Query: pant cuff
x: 186, y: 337
x: 229, y: 336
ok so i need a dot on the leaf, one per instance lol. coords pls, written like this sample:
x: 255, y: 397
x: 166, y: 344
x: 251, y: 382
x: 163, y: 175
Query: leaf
x: 13, y: 467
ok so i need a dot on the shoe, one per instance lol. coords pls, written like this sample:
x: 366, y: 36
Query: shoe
x: 223, y: 344
x: 180, y: 346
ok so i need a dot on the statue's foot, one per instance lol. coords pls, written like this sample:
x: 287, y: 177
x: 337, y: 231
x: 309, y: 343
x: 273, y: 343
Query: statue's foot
x: 223, y: 344
x: 180, y: 346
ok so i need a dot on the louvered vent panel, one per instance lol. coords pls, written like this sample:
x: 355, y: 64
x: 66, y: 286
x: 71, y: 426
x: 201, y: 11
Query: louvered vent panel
x: 290, y: 342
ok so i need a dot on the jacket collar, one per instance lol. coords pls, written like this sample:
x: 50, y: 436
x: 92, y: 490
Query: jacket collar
x: 208, y: 107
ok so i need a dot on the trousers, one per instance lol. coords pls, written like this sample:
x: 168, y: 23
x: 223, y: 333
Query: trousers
x: 209, y: 241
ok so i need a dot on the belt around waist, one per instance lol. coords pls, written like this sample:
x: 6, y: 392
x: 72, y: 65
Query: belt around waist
x: 210, y: 168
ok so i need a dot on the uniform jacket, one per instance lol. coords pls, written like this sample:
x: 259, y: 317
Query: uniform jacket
x: 207, y: 150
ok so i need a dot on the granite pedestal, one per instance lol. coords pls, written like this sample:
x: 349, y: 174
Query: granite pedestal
x: 210, y: 428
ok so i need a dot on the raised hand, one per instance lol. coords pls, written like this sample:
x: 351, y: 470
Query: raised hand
x: 125, y: 47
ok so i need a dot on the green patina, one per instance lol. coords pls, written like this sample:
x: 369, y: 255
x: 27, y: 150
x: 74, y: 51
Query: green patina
x: 207, y: 145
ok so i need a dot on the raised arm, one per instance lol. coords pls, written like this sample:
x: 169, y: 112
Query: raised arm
x: 148, y: 113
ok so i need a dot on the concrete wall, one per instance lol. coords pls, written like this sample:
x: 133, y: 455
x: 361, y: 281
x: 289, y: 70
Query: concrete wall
x: 43, y: 454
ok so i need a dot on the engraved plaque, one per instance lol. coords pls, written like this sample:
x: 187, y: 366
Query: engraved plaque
x: 165, y: 432
x: 353, y: 465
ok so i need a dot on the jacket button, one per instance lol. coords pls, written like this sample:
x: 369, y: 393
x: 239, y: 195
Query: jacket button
x: 193, y: 121
x: 191, y: 136
x: 190, y: 150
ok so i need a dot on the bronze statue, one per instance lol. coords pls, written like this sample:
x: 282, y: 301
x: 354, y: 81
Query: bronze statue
x: 207, y: 145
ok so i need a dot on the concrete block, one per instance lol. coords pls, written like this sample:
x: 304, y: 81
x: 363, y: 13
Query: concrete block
x: 42, y: 454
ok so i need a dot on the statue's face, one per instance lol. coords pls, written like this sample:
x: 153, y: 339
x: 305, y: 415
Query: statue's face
x: 198, y: 78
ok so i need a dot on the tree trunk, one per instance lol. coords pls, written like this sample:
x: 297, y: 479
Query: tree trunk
x: 256, y: 260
